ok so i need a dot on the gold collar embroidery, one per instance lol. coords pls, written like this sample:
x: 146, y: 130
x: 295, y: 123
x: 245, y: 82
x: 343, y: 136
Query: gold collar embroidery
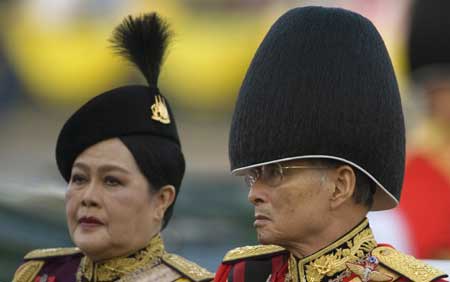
x: 332, y: 259
x: 113, y: 269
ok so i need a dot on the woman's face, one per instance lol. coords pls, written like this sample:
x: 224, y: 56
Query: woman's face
x: 110, y: 208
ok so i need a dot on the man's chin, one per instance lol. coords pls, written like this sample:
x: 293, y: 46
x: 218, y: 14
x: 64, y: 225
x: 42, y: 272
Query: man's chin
x: 264, y: 238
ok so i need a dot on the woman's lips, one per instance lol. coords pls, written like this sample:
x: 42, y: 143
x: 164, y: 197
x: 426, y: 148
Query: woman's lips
x: 89, y: 222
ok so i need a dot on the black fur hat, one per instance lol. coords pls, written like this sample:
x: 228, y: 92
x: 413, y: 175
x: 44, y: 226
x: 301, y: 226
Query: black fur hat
x: 140, y: 116
x: 429, y: 39
x: 321, y: 85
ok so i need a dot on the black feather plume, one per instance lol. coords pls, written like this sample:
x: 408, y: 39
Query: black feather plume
x: 143, y: 41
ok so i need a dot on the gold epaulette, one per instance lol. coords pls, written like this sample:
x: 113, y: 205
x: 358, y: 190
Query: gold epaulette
x: 408, y: 266
x: 53, y: 252
x: 28, y: 271
x: 251, y: 252
x: 188, y: 268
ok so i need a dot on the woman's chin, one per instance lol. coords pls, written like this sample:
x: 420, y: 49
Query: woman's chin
x: 90, y: 244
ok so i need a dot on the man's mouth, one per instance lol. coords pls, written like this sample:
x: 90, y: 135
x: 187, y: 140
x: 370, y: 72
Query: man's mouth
x: 260, y: 220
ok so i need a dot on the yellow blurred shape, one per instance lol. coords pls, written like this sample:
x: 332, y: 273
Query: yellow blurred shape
x: 66, y: 64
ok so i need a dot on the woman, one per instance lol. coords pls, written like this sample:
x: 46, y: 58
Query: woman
x: 121, y: 156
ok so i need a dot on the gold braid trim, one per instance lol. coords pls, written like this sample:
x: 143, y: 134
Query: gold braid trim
x: 188, y: 268
x: 53, y: 252
x: 329, y: 261
x: 28, y: 271
x: 251, y: 251
x: 408, y: 266
x: 152, y: 273
x: 115, y: 268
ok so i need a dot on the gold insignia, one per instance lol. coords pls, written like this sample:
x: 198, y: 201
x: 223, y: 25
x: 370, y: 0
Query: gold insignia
x: 159, y: 110
x: 53, y: 252
x: 188, y: 268
x: 333, y: 258
x: 153, y: 273
x: 367, y: 274
x: 28, y: 271
x: 406, y: 265
x: 115, y: 268
x: 389, y: 272
x: 251, y: 251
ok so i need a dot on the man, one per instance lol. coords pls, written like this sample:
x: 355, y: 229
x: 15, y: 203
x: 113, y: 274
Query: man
x: 318, y: 134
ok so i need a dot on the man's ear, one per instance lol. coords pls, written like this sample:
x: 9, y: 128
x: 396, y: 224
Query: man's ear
x: 164, y: 198
x: 344, y: 186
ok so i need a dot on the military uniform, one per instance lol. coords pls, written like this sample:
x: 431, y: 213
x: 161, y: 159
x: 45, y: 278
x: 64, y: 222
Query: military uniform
x: 151, y: 263
x: 354, y: 257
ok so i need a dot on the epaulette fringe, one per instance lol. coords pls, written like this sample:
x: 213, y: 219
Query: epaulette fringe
x: 188, y: 268
x: 53, y: 252
x: 408, y: 266
x: 251, y: 251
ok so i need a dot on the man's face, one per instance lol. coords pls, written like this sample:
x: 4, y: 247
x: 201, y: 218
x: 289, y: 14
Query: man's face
x: 296, y: 210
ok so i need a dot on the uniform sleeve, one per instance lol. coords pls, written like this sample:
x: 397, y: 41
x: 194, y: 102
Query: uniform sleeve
x: 222, y: 273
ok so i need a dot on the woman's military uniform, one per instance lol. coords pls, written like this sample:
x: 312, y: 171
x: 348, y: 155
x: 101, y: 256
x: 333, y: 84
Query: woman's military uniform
x: 149, y: 264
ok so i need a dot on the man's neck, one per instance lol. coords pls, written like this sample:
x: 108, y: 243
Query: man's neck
x: 332, y: 232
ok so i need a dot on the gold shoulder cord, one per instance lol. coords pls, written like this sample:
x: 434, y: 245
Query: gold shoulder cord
x: 251, y: 251
x: 406, y: 265
x: 53, y: 252
x: 188, y: 268
x: 28, y: 271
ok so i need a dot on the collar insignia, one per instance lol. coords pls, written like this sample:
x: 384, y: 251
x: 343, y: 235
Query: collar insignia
x: 333, y: 260
x: 159, y: 110
x: 113, y: 269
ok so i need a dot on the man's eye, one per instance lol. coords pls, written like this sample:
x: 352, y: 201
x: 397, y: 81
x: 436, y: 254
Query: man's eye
x: 112, y: 181
x: 78, y: 179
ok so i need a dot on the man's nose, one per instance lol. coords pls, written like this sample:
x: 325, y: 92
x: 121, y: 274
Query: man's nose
x: 256, y: 194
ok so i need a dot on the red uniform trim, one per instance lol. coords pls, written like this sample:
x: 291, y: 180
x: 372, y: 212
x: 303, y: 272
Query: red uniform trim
x: 222, y: 273
x: 239, y: 272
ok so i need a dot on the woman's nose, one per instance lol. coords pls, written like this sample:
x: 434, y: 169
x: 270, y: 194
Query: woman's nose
x: 91, y: 195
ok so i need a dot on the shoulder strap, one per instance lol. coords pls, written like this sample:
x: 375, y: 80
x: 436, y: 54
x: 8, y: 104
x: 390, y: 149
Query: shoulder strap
x: 188, y: 268
x: 252, y: 252
x: 53, y: 252
x: 28, y: 271
x: 408, y: 266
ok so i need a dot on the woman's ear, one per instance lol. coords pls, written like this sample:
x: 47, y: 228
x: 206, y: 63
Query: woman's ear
x: 164, y: 197
x: 344, y: 185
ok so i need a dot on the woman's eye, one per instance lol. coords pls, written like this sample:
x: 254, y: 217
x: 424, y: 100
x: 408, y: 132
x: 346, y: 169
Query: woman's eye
x: 112, y: 181
x: 78, y: 179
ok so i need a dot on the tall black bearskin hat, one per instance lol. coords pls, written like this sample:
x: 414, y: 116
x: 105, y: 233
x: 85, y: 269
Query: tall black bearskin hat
x: 321, y: 85
x: 140, y: 116
x: 429, y: 40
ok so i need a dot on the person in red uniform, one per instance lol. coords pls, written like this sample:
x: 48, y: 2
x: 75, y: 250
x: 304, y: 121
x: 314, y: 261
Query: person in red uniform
x: 318, y: 135
x: 121, y: 157
x: 425, y: 201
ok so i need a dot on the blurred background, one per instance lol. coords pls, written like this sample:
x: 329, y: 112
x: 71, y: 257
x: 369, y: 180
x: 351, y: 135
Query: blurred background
x: 55, y: 55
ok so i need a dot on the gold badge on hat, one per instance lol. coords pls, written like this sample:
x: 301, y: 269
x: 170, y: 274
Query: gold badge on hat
x: 159, y: 110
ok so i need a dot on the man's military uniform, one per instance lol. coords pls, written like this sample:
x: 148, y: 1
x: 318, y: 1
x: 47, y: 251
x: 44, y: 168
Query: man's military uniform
x: 354, y: 257
x: 150, y: 264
